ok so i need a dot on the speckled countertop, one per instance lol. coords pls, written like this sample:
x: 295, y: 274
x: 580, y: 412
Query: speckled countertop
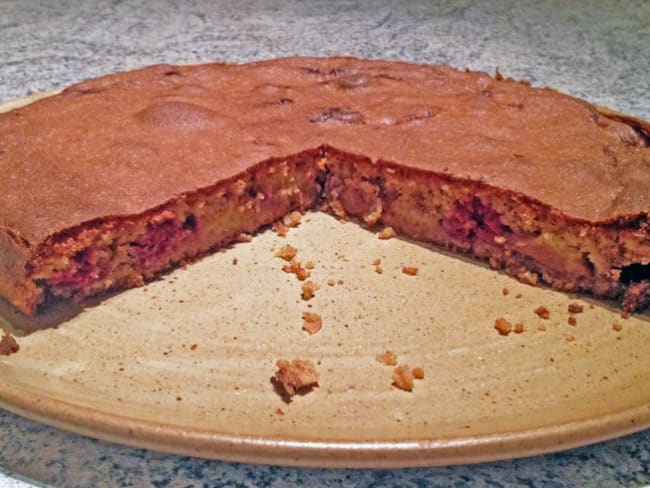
x: 595, y: 50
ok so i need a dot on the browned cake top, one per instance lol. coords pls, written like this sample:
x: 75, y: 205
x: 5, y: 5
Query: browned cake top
x: 127, y: 142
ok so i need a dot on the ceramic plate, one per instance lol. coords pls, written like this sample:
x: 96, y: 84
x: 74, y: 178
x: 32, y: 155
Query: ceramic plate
x: 183, y: 364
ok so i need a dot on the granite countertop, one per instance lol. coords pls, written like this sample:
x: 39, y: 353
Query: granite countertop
x: 595, y: 50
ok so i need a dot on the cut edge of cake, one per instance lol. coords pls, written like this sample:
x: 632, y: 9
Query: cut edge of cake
x: 511, y: 231
x: 528, y: 240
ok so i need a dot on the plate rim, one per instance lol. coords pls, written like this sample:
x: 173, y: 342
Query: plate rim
x: 271, y: 450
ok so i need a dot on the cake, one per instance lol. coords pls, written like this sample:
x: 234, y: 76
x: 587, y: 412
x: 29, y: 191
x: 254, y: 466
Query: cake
x: 119, y: 178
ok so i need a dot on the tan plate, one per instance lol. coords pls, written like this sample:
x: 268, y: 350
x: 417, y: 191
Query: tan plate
x: 183, y: 365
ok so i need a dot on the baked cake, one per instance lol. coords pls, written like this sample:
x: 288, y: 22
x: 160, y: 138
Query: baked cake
x: 119, y: 178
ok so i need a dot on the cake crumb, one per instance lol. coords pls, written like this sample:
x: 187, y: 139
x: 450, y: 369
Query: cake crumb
x: 379, y: 269
x: 235, y: 261
x: 542, y: 312
x: 575, y: 308
x: 389, y: 358
x: 293, y: 377
x: 570, y: 338
x: 296, y: 268
x: 340, y: 282
x: 244, y: 237
x: 293, y: 219
x: 280, y: 229
x: 518, y: 328
x: 309, y: 290
x: 625, y: 315
x: 386, y: 233
x: 410, y: 270
x: 312, y: 322
x: 376, y: 262
x: 310, y: 265
x: 572, y: 320
x: 518, y: 295
x: 279, y: 411
x: 193, y: 347
x: 8, y: 344
x: 505, y: 292
x: 286, y: 252
x: 418, y: 373
x: 331, y: 282
x: 403, y: 378
x: 502, y: 326
x: 617, y: 326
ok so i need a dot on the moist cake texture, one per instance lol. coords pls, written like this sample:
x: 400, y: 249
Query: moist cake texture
x: 121, y: 177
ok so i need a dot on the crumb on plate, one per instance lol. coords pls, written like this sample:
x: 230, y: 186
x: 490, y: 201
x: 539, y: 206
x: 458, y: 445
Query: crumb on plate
x: 296, y: 268
x: 502, y: 326
x: 389, y: 358
x: 8, y: 344
x: 295, y: 376
x: 309, y: 290
x: 403, y: 377
x: 410, y: 270
x: 575, y: 308
x: 542, y: 312
x: 293, y: 219
x: 286, y: 252
x: 418, y: 373
x: 386, y: 233
x: 311, y: 322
